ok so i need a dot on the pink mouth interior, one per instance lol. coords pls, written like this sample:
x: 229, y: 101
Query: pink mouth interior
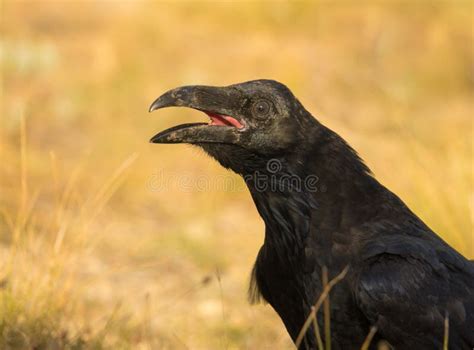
x: 223, y: 120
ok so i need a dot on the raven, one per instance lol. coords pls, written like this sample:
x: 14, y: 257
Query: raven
x: 322, y: 207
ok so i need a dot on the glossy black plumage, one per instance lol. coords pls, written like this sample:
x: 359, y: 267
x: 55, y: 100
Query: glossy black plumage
x: 403, y: 278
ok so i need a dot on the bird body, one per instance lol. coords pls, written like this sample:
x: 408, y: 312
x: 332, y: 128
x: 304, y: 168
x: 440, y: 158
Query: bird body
x: 402, y: 278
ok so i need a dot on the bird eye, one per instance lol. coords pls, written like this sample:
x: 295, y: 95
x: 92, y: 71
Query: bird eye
x: 261, y: 108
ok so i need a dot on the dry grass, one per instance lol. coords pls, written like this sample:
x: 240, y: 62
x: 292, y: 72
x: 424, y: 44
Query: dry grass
x: 95, y: 254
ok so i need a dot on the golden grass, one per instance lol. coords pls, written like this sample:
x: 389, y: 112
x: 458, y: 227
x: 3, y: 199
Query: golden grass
x: 97, y: 252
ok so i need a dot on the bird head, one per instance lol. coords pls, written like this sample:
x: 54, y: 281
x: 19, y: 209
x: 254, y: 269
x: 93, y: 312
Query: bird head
x: 260, y: 116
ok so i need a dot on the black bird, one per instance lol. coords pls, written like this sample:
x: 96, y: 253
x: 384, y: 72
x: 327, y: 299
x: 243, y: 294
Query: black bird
x: 322, y: 207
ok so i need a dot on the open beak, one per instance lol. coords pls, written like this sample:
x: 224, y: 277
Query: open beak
x: 219, y: 103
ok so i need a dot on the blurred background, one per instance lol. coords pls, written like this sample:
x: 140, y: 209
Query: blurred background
x: 107, y: 241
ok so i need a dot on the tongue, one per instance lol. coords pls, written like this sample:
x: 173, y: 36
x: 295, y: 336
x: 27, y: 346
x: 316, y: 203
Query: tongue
x: 223, y: 120
x: 218, y: 121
